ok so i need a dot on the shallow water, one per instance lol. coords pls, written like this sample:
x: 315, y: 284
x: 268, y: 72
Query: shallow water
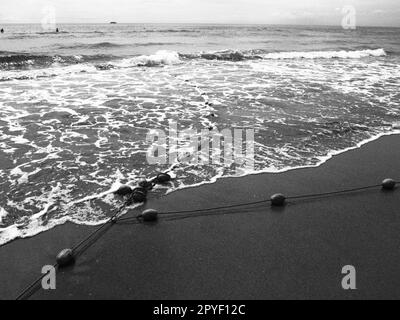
x: 75, y: 107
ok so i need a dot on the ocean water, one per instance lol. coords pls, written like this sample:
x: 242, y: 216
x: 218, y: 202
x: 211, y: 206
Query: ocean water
x: 75, y: 106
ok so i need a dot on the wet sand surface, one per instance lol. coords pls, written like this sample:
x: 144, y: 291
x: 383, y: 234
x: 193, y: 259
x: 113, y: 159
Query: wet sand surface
x: 295, y: 252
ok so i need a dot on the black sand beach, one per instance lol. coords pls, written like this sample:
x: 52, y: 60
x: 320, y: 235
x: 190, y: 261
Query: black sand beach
x: 296, y: 252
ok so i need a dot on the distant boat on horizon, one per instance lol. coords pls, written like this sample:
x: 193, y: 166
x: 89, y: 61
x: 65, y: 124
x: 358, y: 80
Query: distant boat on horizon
x: 113, y: 22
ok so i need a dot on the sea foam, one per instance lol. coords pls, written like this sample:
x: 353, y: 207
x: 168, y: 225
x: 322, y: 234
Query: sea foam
x: 3, y: 214
x: 357, y: 54
x: 162, y: 57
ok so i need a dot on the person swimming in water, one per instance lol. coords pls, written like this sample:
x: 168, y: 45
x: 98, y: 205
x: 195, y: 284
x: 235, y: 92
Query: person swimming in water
x: 57, y: 30
x: 2, y: 31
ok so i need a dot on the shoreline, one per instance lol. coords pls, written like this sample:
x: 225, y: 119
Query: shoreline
x: 322, y: 161
x: 303, y: 246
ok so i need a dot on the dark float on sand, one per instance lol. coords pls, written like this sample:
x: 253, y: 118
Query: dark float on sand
x: 139, y: 194
x: 136, y: 195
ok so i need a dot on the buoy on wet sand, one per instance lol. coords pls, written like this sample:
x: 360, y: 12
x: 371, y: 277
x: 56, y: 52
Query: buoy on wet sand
x: 149, y: 215
x: 163, y: 178
x: 138, y: 197
x: 278, y: 200
x: 388, y: 184
x: 123, y: 191
x: 65, y: 258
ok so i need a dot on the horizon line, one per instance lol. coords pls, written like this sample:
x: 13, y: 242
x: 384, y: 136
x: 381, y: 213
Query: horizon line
x: 209, y: 23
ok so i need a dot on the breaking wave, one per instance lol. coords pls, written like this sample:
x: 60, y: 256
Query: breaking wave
x: 160, y: 58
x: 14, y: 61
x: 262, y: 55
x: 357, y: 54
x: 164, y: 57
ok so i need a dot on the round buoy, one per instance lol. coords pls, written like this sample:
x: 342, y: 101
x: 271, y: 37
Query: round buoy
x: 123, y: 191
x: 149, y: 215
x: 65, y: 258
x: 138, y: 197
x: 388, y: 184
x: 278, y: 200
x: 163, y: 178
x: 146, y: 184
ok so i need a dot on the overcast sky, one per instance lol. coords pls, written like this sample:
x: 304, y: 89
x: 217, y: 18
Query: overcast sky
x: 369, y: 12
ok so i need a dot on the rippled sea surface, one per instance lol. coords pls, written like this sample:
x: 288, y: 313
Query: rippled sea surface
x: 76, y: 106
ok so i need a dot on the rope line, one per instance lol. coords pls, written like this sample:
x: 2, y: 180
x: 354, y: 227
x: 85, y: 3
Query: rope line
x: 133, y: 221
x: 202, y: 210
x: 317, y: 195
x: 307, y: 196
x: 30, y: 290
x: 112, y: 220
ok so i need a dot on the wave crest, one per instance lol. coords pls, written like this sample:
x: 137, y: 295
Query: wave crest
x: 160, y: 58
x: 237, y: 56
x: 22, y: 61
x: 357, y: 54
